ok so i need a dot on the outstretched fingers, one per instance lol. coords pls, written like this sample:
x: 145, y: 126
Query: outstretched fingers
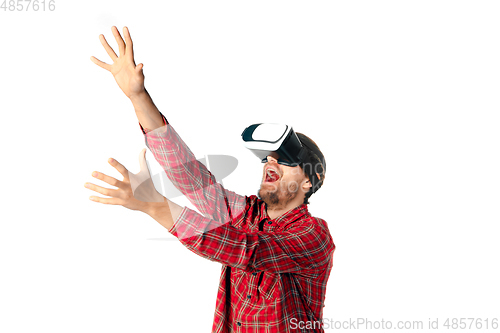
x: 119, y: 40
x: 102, y: 190
x: 129, y: 49
x: 109, y: 49
x: 100, y: 63
x: 118, y: 166
x: 117, y: 196
x: 107, y: 201
x: 125, y: 48
x: 110, y: 52
x: 107, y: 179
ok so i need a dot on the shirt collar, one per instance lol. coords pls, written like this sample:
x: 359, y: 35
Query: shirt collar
x: 292, y: 215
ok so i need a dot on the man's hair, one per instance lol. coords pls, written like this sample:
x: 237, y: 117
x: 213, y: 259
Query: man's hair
x: 314, y: 163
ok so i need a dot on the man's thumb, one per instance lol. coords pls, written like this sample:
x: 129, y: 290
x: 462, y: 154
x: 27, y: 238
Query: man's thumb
x: 142, y: 160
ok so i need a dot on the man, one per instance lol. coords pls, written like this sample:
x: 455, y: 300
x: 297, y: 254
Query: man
x: 276, y: 257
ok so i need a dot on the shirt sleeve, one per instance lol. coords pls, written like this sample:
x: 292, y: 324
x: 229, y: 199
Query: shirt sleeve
x: 147, y: 130
x: 305, y: 246
x: 191, y: 177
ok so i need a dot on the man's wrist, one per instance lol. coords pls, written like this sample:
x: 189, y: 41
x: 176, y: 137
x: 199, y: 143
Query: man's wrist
x: 146, y: 111
x: 140, y: 97
x: 160, y: 211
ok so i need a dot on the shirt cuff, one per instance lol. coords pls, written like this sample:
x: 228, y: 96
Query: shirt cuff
x: 147, y: 130
x: 173, y: 228
x: 160, y: 138
x: 191, y: 225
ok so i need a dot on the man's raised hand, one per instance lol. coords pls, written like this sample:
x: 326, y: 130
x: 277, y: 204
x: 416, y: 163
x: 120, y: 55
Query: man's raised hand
x: 130, y: 78
x: 135, y: 191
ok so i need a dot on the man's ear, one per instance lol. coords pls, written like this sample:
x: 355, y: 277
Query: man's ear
x: 306, y: 185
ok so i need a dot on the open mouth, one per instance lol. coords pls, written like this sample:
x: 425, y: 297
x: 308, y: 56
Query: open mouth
x: 271, y: 176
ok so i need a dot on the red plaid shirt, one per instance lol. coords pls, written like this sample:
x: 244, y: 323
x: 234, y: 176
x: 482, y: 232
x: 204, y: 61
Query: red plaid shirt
x: 274, y: 271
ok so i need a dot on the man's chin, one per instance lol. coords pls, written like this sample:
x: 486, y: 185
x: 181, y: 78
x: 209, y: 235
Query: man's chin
x: 269, y: 194
x: 268, y: 187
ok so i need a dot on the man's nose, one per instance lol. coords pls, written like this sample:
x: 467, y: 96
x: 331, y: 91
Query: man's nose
x: 272, y: 159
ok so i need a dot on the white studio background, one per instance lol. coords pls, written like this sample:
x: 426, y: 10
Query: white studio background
x: 402, y: 97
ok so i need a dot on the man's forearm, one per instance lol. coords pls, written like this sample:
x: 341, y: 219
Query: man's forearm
x: 165, y: 213
x: 146, y: 111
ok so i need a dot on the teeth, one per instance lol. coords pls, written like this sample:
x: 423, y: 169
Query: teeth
x: 273, y: 174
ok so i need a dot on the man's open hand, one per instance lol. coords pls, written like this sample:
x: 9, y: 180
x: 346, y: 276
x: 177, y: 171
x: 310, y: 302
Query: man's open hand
x: 135, y: 191
x: 130, y: 78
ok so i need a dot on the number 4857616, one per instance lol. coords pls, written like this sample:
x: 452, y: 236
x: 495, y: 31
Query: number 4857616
x: 26, y: 5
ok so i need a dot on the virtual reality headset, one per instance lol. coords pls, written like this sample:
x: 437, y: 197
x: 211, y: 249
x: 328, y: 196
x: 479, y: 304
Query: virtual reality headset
x: 276, y: 140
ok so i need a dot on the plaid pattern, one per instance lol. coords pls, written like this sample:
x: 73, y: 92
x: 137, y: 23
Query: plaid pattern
x: 274, y: 272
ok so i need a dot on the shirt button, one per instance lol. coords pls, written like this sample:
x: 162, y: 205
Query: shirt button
x: 254, y: 274
x: 238, y: 323
x: 249, y: 296
x: 269, y: 222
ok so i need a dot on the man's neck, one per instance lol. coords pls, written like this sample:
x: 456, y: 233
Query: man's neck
x: 276, y: 211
